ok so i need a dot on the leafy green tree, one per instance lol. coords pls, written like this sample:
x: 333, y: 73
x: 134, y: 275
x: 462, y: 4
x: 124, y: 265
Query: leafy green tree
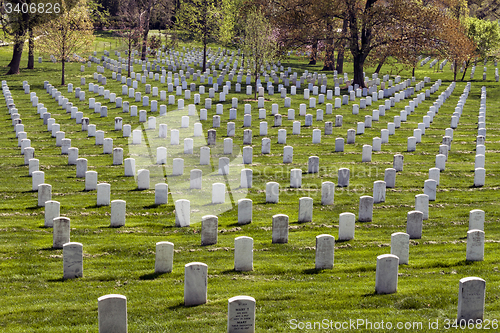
x: 486, y: 34
x: 202, y: 18
x: 72, y: 31
x: 18, y: 18
x: 258, y: 44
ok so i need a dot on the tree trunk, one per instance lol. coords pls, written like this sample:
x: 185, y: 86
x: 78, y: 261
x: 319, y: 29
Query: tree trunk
x: 329, y: 63
x: 146, y: 30
x: 340, y: 61
x: 465, y: 69
x: 31, y: 50
x: 62, y: 75
x: 455, y: 70
x: 341, y: 48
x: 380, y: 64
x: 129, y: 56
x: 145, y: 41
x: 204, y: 53
x: 314, y: 53
x: 16, y: 57
x: 413, y: 71
x: 358, y: 63
x: 256, y: 76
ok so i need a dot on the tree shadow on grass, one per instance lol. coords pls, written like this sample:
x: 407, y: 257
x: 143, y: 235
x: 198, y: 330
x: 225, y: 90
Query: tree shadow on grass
x: 232, y: 272
x: 236, y: 224
x: 57, y: 280
x: 44, y: 227
x: 179, y: 306
x: 150, y: 276
x: 48, y: 249
x: 312, y: 271
x: 95, y: 206
x: 138, y: 190
x: 152, y: 206
x: 342, y: 240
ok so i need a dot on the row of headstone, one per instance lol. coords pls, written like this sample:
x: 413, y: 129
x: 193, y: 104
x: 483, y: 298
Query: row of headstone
x: 479, y: 163
x: 112, y: 308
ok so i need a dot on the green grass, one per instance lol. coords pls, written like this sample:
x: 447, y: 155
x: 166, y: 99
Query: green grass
x: 35, y: 298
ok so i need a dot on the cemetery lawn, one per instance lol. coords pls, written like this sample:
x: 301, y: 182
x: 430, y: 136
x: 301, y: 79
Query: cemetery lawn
x: 285, y: 284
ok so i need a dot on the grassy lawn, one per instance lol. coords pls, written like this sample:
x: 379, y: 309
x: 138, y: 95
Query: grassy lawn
x: 284, y: 282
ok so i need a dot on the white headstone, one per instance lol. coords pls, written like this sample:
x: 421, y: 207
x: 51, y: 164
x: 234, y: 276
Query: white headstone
x: 305, y: 209
x: 244, y: 211
x: 422, y: 204
x: 365, y: 209
x: 414, y: 223
x: 272, y: 192
x: 346, y: 226
x: 325, y: 247
x: 90, y: 180
x: 471, y: 298
x: 44, y: 194
x: 398, y: 162
x: 164, y: 258
x: 475, y: 245
x: 476, y: 219
x: 479, y: 177
x: 313, y: 164
x: 390, y: 177
x: 72, y: 260
x: 195, y: 283
x: 243, y: 253
x: 118, y: 212
x: 37, y: 178
x: 112, y: 313
x: 209, y: 229
x: 182, y: 213
x: 386, y: 276
x: 61, y: 232
x: 241, y: 315
x: 280, y: 229
x: 143, y: 179
x: 81, y: 167
x: 129, y: 167
x: 379, y: 191
x: 434, y: 173
x: 103, y: 194
x: 400, y: 247
x: 343, y: 177
x: 52, y: 210
x: 327, y: 193
x: 430, y: 186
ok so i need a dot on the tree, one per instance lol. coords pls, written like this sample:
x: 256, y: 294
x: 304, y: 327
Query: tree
x: 457, y: 47
x: 258, y: 46
x: 368, y: 26
x: 18, y: 18
x: 486, y: 35
x: 202, y: 18
x: 302, y: 23
x: 131, y: 27
x: 72, y: 31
